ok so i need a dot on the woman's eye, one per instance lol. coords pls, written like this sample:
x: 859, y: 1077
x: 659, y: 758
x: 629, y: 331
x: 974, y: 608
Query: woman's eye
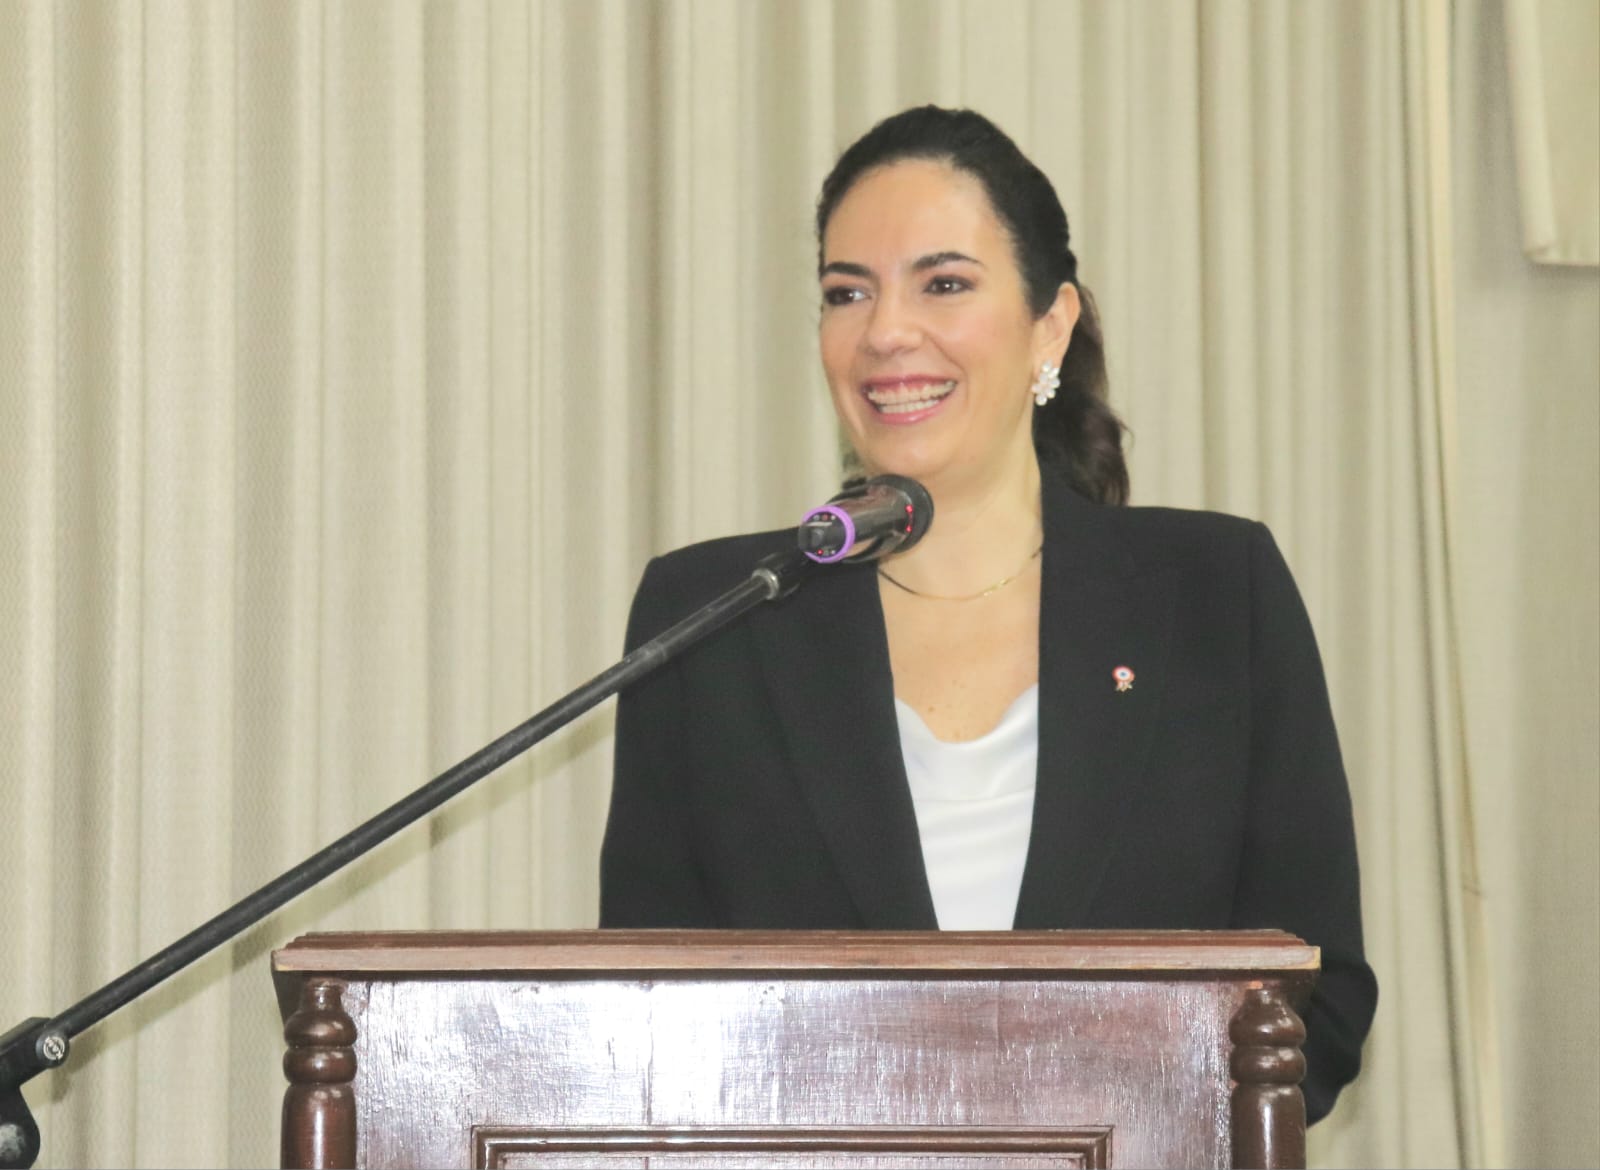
x: 840, y: 294
x: 945, y: 285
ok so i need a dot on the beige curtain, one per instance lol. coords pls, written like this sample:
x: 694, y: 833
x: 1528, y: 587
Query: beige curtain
x: 355, y: 356
x: 1529, y: 433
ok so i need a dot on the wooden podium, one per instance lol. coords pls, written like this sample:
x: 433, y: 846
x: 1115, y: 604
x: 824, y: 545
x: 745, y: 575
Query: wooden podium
x: 794, y: 1049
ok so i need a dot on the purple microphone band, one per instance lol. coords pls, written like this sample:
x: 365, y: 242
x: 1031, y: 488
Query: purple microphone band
x: 843, y: 517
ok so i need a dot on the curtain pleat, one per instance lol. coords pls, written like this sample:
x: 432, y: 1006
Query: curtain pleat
x: 459, y: 469
x: 99, y: 536
x: 356, y: 357
x: 30, y: 571
x: 1522, y: 445
x: 184, y: 282
x: 506, y: 809
x: 279, y: 503
x: 1230, y: 187
x: 867, y: 51
x: 374, y: 710
x: 1315, y: 162
x: 1475, y: 1052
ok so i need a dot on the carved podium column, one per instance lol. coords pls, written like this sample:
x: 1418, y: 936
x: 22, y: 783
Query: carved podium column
x: 319, y: 1106
x: 1269, y: 1111
x: 724, y: 1049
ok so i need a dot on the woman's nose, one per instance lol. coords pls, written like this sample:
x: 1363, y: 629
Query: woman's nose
x: 893, y: 326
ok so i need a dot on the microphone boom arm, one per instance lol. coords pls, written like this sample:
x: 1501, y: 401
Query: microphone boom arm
x: 37, y: 1044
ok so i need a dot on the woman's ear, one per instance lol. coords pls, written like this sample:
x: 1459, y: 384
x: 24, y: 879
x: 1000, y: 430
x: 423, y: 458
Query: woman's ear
x: 1053, y: 331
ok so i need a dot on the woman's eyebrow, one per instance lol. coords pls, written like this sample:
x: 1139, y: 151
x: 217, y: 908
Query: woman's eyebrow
x: 920, y: 264
x: 935, y: 259
x: 845, y: 268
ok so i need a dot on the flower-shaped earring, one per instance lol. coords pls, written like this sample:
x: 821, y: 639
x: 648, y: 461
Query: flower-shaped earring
x: 1044, y: 386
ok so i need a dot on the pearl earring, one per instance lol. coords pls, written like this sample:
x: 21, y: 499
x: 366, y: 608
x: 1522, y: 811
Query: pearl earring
x: 1044, y: 386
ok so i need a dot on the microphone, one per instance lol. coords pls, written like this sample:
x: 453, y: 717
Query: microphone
x: 867, y: 520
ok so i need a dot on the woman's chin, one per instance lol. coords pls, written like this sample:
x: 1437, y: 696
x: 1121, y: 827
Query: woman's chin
x: 917, y: 465
x: 950, y: 474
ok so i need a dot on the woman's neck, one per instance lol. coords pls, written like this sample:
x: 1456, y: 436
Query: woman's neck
x: 983, y: 530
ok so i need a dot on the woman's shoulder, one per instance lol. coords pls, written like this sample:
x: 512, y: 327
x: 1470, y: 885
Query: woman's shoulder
x: 1066, y: 508
x: 1215, y: 555
x: 1190, y: 534
x: 1221, y: 559
x: 1215, y: 544
x: 1187, y: 523
x: 1151, y: 536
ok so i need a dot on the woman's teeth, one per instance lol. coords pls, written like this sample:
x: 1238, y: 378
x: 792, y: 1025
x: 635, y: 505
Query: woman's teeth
x: 905, y: 399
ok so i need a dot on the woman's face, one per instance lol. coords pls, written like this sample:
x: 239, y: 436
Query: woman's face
x: 927, y: 340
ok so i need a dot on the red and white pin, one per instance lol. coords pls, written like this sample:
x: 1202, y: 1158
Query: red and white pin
x: 1124, y: 678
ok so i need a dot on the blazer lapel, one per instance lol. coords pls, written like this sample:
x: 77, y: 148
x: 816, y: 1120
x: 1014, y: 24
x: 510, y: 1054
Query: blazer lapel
x: 825, y: 658
x: 1097, y: 614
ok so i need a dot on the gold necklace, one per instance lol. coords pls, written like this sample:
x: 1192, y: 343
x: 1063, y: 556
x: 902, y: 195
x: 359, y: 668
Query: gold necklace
x: 995, y: 588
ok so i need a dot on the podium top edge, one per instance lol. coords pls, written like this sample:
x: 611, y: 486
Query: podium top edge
x: 703, y: 952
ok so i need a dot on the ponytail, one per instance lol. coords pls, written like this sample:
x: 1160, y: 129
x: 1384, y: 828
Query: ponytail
x: 1077, y: 432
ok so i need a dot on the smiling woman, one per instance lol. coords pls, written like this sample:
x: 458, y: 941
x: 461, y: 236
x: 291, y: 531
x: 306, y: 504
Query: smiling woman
x: 926, y: 333
x: 1054, y: 711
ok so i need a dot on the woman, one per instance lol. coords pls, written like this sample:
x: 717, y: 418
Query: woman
x: 1054, y: 711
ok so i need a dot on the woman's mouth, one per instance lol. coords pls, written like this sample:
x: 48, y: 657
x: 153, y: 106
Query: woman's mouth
x: 906, y: 397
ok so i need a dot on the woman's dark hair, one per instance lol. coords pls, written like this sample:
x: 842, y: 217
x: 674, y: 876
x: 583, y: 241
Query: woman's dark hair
x: 1076, y: 431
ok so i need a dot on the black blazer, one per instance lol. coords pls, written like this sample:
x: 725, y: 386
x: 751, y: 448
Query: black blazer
x: 759, y: 780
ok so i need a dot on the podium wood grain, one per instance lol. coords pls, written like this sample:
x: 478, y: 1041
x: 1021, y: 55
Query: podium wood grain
x: 795, y: 1049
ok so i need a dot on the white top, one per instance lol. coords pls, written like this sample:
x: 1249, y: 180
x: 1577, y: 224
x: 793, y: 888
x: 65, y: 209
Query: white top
x: 974, y: 804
